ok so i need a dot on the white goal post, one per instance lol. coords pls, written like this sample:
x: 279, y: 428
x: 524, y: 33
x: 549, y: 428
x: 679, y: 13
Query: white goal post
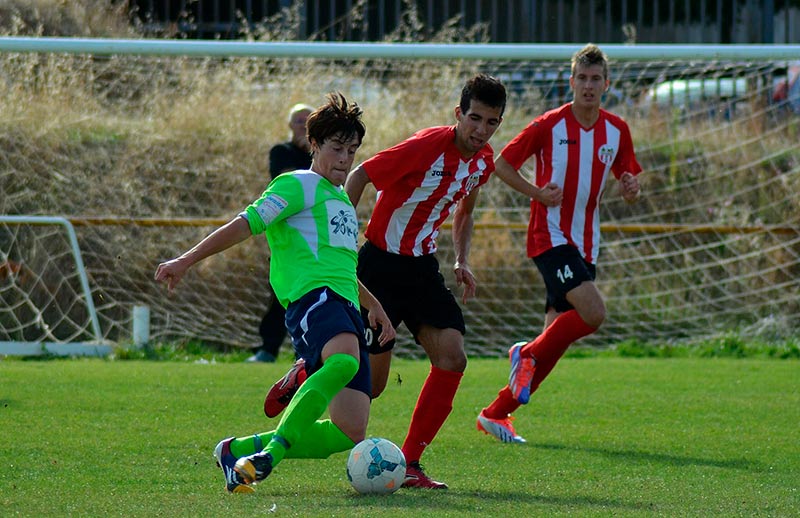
x: 417, y: 51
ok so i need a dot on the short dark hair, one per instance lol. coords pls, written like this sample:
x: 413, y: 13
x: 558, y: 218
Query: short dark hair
x: 486, y: 89
x: 588, y: 56
x: 337, y: 118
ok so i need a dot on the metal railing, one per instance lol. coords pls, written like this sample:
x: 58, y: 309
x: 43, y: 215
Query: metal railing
x: 501, y: 21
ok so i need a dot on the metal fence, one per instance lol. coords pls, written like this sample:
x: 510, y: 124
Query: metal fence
x: 524, y: 21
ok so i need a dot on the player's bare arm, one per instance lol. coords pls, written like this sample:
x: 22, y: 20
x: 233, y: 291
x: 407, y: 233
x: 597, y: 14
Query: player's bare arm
x: 550, y: 195
x: 355, y: 183
x: 629, y: 187
x: 463, y: 223
x: 376, y: 315
x: 229, y: 234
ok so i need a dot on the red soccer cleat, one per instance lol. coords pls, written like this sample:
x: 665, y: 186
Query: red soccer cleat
x: 416, y: 478
x: 284, y: 389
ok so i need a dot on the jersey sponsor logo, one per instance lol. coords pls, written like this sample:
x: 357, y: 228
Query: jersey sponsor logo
x: 441, y: 173
x: 567, y: 141
x: 343, y: 226
x: 606, y: 153
x: 270, y: 207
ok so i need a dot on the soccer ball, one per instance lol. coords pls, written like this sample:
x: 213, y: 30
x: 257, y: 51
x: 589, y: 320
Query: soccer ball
x: 376, y: 466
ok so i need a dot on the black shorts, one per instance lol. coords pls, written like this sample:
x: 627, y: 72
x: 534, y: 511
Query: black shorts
x: 318, y: 316
x: 563, y: 268
x: 410, y: 289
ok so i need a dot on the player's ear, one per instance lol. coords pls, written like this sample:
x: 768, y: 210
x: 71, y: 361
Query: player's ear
x: 457, y: 112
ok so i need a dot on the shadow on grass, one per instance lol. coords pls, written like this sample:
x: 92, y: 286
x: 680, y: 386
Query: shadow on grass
x: 455, y: 500
x: 663, y: 458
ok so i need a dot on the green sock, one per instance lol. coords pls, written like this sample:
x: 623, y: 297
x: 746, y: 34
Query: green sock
x: 310, y: 402
x: 321, y: 440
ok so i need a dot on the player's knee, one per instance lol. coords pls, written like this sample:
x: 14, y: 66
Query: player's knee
x: 454, y: 361
x: 353, y: 431
x: 378, y: 386
x: 595, y: 316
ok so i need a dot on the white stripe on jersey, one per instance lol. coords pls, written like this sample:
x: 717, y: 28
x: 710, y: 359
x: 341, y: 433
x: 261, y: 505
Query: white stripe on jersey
x: 560, y: 160
x: 585, y: 163
x: 612, y: 140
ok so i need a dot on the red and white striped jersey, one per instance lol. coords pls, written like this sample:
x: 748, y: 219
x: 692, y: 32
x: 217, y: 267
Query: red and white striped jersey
x: 578, y: 160
x: 418, y: 182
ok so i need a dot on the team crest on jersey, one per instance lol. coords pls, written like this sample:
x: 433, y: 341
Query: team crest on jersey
x: 472, y: 181
x: 606, y: 154
x: 343, y: 226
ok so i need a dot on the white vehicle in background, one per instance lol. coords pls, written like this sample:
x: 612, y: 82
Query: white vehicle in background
x: 723, y: 94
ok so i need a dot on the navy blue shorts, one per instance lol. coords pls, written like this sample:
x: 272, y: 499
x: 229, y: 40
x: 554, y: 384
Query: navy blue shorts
x: 410, y: 289
x: 318, y: 316
x: 563, y: 268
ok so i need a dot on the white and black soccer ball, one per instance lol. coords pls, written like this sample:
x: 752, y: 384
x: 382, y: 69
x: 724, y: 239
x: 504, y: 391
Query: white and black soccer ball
x: 376, y: 466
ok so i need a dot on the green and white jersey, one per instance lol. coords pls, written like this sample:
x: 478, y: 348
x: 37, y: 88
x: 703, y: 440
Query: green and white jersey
x: 312, y: 230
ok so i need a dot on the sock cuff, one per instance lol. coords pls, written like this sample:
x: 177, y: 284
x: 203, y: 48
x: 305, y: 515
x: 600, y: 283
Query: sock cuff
x: 343, y: 363
x: 580, y: 325
x: 451, y: 376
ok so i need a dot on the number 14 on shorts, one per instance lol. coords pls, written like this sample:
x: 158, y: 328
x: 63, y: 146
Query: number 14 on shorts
x: 564, y: 273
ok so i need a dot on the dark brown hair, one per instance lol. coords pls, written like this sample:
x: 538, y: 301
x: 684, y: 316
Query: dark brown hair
x: 486, y: 89
x: 336, y: 118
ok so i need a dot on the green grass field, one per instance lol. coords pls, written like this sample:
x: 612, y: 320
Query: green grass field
x: 607, y: 437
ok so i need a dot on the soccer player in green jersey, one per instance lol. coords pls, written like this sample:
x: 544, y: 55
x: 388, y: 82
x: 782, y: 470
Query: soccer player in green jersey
x: 311, y: 228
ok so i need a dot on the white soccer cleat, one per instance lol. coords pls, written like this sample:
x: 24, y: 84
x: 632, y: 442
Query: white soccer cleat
x: 500, y: 429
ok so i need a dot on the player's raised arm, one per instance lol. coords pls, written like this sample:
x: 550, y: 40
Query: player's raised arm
x: 229, y: 234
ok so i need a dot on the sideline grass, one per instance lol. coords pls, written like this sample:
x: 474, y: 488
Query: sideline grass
x: 607, y: 436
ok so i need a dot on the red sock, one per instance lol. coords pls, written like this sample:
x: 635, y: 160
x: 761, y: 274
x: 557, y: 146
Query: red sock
x: 503, y: 405
x: 553, y: 343
x: 434, y: 404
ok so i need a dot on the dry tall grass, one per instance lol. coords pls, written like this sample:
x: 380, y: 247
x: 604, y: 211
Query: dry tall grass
x: 179, y: 137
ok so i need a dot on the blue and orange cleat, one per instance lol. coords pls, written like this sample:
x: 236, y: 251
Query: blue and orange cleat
x: 521, y: 376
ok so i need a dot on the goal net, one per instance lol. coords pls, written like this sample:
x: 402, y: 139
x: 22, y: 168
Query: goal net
x: 146, y: 155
